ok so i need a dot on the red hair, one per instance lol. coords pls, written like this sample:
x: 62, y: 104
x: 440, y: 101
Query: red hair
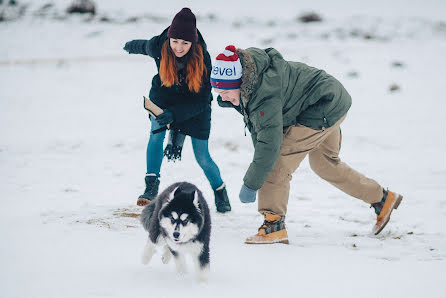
x: 194, y: 69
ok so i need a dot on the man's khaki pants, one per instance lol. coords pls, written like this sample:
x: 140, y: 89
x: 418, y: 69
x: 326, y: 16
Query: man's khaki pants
x: 322, y: 148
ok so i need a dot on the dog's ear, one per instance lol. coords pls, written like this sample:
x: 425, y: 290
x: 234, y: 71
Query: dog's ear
x: 176, y: 191
x: 167, y: 202
x: 171, y: 196
x: 196, y: 202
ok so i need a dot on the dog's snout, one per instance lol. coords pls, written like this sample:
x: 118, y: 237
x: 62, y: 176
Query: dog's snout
x: 176, y: 235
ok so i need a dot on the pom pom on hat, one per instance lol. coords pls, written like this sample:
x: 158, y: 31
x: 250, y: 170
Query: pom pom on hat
x: 227, y: 70
x: 229, y: 54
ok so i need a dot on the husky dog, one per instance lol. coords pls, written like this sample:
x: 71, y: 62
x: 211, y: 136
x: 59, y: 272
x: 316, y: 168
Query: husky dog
x: 179, y: 220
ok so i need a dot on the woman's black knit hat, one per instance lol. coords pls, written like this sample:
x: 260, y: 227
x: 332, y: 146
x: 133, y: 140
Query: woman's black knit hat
x: 184, y: 26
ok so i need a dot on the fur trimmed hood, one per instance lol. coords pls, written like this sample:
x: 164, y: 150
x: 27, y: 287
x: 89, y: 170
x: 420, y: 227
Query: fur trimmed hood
x: 249, y: 76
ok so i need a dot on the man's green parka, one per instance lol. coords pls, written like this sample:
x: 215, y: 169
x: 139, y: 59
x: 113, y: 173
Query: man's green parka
x: 276, y: 94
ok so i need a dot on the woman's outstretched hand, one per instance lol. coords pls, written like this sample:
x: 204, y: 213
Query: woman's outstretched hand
x: 135, y: 46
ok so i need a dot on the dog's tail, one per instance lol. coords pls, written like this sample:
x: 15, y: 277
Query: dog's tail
x: 146, y: 214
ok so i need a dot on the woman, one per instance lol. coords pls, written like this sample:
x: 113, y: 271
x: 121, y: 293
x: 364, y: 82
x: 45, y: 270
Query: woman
x: 182, y: 89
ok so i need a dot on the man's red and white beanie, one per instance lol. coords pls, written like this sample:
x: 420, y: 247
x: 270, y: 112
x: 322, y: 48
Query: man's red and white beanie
x: 227, y: 70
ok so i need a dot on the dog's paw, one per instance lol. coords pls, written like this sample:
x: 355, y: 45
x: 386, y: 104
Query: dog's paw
x: 180, y: 265
x: 147, y: 254
x: 181, y: 269
x: 202, y: 274
x: 145, y: 259
x: 202, y: 278
x: 167, y: 255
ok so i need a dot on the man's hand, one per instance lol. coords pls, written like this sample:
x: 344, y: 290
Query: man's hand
x: 247, y: 195
x: 165, y: 118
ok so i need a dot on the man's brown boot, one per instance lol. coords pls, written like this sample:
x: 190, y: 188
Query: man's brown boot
x: 272, y: 231
x: 390, y: 201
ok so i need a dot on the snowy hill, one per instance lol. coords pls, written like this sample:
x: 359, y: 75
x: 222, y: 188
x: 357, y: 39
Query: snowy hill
x: 73, y: 138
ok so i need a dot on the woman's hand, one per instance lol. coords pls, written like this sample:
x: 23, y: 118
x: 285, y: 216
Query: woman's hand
x: 165, y: 118
x: 135, y: 46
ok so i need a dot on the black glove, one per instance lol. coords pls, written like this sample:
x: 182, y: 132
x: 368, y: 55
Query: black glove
x: 165, y: 118
x: 224, y: 104
x: 228, y: 104
x: 135, y: 46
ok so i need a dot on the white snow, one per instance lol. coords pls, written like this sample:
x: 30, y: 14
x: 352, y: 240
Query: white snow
x: 73, y: 136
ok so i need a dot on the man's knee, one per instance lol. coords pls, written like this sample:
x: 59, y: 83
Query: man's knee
x: 323, y: 165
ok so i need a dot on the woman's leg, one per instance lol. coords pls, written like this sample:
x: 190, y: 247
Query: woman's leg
x: 210, y: 169
x: 154, y: 157
x: 154, y: 153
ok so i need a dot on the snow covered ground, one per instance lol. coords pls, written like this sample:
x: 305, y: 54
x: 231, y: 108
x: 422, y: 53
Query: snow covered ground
x: 73, y: 136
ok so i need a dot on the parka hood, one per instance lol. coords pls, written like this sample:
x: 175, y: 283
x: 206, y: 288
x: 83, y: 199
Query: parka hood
x: 249, y: 75
x: 253, y: 68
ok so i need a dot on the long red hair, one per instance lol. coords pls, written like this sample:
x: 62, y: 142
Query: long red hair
x: 194, y: 69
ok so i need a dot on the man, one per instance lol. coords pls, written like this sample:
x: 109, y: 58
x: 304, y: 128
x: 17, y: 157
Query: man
x: 292, y: 110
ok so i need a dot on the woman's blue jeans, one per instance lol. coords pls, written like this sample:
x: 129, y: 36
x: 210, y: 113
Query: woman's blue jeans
x: 201, y: 152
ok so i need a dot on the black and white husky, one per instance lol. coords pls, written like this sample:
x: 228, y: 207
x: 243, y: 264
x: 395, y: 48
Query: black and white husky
x: 179, y: 220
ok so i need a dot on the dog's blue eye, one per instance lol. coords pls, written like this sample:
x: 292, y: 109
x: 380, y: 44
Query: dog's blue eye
x: 185, y: 221
x: 172, y: 220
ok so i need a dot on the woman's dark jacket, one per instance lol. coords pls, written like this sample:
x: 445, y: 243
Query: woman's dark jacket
x: 191, y: 111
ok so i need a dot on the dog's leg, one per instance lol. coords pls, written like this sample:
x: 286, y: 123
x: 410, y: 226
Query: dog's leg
x: 167, y: 255
x: 148, y: 252
x: 202, y: 264
x: 180, y: 262
x: 202, y: 272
